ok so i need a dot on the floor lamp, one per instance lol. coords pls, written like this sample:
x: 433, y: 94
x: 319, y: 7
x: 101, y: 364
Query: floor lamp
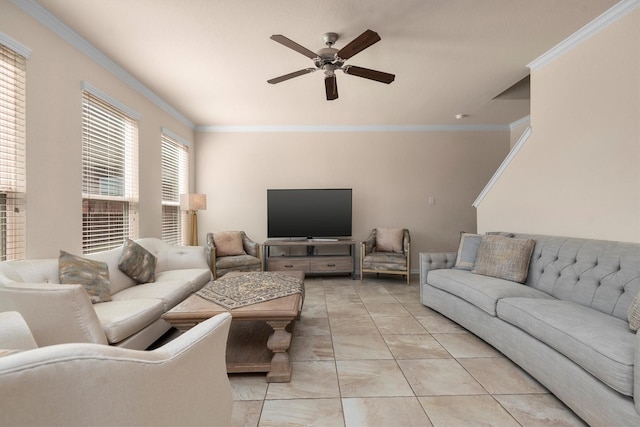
x: 193, y: 203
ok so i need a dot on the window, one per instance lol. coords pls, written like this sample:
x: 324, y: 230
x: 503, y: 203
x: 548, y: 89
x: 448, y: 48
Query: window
x: 109, y: 175
x: 12, y: 154
x: 175, y: 164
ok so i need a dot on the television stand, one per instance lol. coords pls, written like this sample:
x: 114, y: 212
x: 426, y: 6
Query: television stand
x: 311, y: 262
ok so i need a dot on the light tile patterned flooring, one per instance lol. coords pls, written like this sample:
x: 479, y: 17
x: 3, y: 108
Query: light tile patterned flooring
x: 372, y: 355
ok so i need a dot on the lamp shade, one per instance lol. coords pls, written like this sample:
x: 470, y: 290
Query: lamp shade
x: 193, y: 202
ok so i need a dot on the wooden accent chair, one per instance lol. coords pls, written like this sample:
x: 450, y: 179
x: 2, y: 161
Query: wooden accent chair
x: 388, y: 251
x: 232, y: 251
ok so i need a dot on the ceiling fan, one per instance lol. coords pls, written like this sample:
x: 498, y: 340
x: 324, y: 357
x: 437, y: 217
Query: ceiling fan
x: 330, y: 59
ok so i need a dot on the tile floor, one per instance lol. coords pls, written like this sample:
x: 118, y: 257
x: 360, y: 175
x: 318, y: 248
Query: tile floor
x: 373, y: 355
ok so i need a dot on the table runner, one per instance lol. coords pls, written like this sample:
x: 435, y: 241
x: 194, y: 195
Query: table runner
x: 250, y: 288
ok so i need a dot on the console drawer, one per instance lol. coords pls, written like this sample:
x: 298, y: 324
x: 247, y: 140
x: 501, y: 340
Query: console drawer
x: 331, y: 264
x: 283, y: 264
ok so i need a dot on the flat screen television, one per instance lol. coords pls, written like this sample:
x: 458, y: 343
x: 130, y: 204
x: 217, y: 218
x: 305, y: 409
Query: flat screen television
x: 309, y: 213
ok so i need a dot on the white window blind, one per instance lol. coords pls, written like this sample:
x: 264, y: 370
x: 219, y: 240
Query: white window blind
x: 12, y: 154
x: 109, y: 175
x: 175, y: 164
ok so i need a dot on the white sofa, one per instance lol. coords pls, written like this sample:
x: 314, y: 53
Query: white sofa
x: 183, y: 383
x: 64, y: 314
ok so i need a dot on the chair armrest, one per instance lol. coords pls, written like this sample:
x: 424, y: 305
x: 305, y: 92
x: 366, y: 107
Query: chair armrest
x: 406, y: 241
x: 250, y: 247
x: 210, y: 249
x: 55, y: 313
x: 435, y: 261
x: 14, y: 332
x: 369, y: 244
x: 183, y: 382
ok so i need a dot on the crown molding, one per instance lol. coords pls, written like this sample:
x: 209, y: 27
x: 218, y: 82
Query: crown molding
x: 503, y: 166
x: 349, y: 128
x: 15, y: 45
x: 609, y: 17
x: 43, y: 16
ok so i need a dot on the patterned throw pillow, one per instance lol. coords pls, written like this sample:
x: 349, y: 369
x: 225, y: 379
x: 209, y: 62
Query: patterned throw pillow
x: 633, y: 315
x: 92, y: 275
x: 389, y: 240
x: 228, y: 243
x: 504, y: 257
x: 469, y: 244
x: 137, y: 262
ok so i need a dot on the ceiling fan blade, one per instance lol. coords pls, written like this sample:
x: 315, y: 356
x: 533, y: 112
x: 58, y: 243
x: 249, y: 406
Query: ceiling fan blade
x: 366, y: 73
x: 291, y: 75
x: 331, y: 86
x: 358, y: 44
x: 293, y: 45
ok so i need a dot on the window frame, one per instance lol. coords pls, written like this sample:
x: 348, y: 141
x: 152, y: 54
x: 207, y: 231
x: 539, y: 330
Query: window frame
x: 13, y: 64
x: 110, y: 200
x: 175, y: 181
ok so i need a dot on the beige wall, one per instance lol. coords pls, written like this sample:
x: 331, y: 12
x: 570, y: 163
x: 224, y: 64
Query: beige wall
x: 392, y: 176
x: 579, y: 172
x: 54, y: 157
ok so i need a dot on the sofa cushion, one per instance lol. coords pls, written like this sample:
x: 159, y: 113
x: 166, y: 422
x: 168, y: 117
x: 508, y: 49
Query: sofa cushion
x: 121, y: 319
x: 228, y: 243
x: 171, y: 293
x: 601, y: 344
x: 504, y: 257
x: 389, y: 240
x: 467, y: 250
x: 236, y: 261
x: 196, y: 277
x: 385, y: 261
x: 137, y: 262
x: 481, y: 291
x: 92, y: 275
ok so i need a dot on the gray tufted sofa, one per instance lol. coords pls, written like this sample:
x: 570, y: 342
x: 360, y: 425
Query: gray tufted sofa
x: 566, y: 325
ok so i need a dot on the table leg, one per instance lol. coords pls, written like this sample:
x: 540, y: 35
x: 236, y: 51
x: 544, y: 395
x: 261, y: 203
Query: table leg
x: 279, y: 343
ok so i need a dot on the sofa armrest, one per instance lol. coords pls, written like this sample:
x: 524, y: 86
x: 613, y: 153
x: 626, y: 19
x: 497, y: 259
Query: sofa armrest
x: 55, y: 313
x: 183, y: 382
x: 435, y: 261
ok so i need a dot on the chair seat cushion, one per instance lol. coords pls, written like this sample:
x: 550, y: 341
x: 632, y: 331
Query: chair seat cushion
x: 236, y: 261
x: 385, y: 261
x: 601, y: 344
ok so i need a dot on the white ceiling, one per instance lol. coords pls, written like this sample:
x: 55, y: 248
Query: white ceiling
x: 210, y: 59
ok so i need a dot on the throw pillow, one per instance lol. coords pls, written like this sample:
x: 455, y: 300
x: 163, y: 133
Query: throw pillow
x: 504, y: 257
x: 137, y: 262
x: 467, y: 251
x: 92, y: 275
x: 633, y: 315
x: 389, y: 240
x: 228, y: 243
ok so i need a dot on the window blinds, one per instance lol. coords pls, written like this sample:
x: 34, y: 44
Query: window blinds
x: 12, y: 154
x: 175, y: 163
x: 109, y: 175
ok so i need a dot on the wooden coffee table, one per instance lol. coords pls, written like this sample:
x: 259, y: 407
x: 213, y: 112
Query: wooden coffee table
x: 259, y: 338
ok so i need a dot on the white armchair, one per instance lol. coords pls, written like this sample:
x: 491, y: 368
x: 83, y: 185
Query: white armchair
x: 183, y: 382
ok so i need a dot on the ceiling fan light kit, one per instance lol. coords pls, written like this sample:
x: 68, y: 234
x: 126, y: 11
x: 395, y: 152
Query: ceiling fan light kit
x: 330, y: 59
